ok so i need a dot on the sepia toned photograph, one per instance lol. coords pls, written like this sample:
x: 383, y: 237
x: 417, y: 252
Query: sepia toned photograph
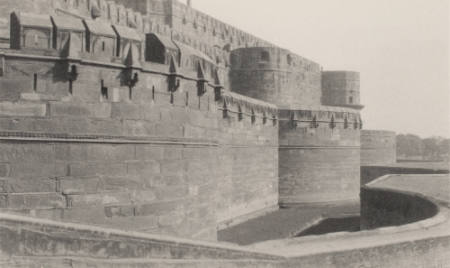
x: 224, y: 134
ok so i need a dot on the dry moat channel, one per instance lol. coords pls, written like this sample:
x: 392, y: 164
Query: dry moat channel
x: 333, y: 225
x: 294, y: 222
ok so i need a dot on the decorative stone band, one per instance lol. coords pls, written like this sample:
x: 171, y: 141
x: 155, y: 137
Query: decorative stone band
x: 61, y: 137
x: 293, y: 147
x: 156, y: 70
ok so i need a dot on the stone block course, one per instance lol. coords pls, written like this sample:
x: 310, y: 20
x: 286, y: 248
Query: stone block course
x: 79, y: 185
x: 22, y: 109
x: 97, y: 110
x: 28, y: 185
x: 99, y: 199
x: 37, y: 169
x: 36, y: 201
x: 93, y: 168
x: 119, y: 211
x: 119, y: 183
x: 4, y: 170
x: 159, y: 208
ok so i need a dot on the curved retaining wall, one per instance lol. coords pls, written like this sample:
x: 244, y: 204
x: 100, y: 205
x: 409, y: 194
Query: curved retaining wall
x: 318, y: 164
x: 378, y: 147
x: 28, y: 242
x: 380, y: 208
x: 370, y: 173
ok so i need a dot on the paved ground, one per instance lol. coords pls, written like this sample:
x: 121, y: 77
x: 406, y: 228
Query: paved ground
x: 283, y: 223
x: 436, y: 186
x: 422, y: 164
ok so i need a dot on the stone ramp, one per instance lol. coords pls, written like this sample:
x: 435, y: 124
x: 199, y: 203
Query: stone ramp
x: 24, y: 238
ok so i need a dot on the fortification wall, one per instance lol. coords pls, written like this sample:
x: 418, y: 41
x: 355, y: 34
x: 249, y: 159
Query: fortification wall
x: 107, y: 11
x: 210, y: 30
x: 137, y: 158
x: 249, y: 157
x: 277, y: 76
x: 319, y: 156
x: 378, y: 148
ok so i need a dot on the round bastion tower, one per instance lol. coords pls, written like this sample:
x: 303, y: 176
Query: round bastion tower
x: 319, y: 123
x: 275, y: 75
x: 341, y: 88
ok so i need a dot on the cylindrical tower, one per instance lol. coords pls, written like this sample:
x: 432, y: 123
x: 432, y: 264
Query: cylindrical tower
x: 319, y: 156
x: 341, y: 88
x: 277, y: 76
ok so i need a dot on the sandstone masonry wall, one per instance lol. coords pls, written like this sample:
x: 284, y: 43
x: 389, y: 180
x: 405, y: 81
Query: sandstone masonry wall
x: 319, y: 156
x: 341, y: 88
x: 138, y: 158
x: 276, y: 76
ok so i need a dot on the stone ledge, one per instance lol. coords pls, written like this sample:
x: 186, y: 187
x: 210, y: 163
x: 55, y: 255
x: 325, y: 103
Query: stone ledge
x: 164, y: 246
x: 64, y: 137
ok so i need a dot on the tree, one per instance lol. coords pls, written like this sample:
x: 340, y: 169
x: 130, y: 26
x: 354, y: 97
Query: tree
x: 409, y: 146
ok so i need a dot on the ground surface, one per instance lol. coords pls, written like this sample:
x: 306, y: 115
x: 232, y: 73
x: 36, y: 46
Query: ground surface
x: 283, y: 223
x: 422, y: 164
x: 434, y: 186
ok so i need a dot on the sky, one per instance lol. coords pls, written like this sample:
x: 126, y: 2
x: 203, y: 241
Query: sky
x: 400, y: 47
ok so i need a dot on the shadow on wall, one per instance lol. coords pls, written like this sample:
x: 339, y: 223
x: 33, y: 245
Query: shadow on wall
x: 381, y: 208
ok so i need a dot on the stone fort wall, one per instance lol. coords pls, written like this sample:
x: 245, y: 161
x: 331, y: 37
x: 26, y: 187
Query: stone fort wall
x: 277, y: 76
x: 150, y: 161
x: 158, y: 133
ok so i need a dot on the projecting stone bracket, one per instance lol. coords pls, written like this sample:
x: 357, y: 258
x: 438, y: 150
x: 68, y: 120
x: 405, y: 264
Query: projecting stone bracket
x: 2, y: 65
x: 332, y: 123
x: 225, y: 109
x: 72, y: 72
x: 201, y: 82
x: 314, y: 123
x: 292, y: 121
x: 173, y: 79
x: 131, y: 77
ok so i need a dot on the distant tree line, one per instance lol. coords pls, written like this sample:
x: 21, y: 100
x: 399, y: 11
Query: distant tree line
x: 412, y: 147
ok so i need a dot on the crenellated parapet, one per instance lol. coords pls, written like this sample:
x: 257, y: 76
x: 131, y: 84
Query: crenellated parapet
x: 333, y: 118
x: 243, y: 108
